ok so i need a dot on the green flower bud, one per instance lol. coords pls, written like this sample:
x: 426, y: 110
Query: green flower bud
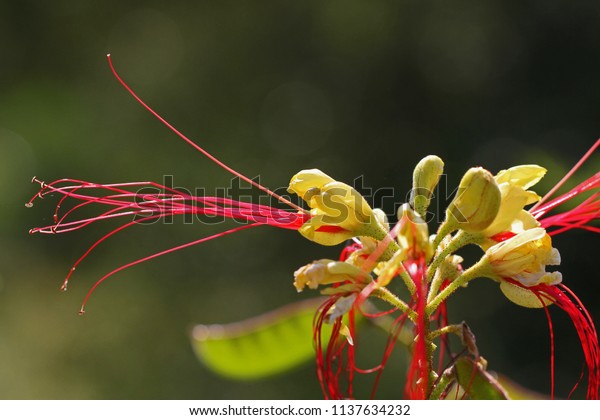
x: 426, y: 176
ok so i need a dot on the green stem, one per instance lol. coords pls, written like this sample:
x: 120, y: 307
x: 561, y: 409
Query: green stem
x: 461, y: 239
x: 477, y: 270
x: 377, y: 232
x: 429, y: 347
x: 444, y: 230
x: 384, y: 294
x: 408, y: 281
x: 395, y: 267
x: 448, y: 329
x: 445, y: 380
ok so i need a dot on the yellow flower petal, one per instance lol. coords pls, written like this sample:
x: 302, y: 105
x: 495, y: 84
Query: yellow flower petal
x: 522, y: 296
x: 476, y: 203
x: 524, y: 176
x: 524, y: 257
x: 306, y: 180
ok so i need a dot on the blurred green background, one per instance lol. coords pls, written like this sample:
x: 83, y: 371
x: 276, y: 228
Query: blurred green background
x: 351, y: 87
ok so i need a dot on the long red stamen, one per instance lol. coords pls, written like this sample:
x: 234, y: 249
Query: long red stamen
x: 329, y: 363
x: 566, y: 300
x: 195, y: 146
x: 127, y: 203
x: 552, y: 357
x: 158, y: 254
x: 122, y: 201
x: 579, y: 217
x: 567, y: 176
x: 395, y: 331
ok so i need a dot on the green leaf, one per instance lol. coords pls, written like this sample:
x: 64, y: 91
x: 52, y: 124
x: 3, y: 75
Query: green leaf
x: 262, y: 346
x: 477, y: 382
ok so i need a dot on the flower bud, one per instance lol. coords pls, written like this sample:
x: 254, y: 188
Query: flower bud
x: 426, y: 176
x: 327, y: 272
x: 338, y: 211
x: 476, y: 203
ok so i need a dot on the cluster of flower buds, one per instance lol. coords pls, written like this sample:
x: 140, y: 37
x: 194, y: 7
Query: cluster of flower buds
x: 489, y: 211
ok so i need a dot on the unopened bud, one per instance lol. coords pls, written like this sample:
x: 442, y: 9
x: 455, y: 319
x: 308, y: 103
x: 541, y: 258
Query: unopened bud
x: 326, y: 271
x: 426, y: 176
x: 477, y: 201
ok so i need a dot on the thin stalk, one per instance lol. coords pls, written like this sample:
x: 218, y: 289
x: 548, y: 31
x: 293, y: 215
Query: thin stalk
x: 448, y: 329
x: 445, y: 380
x: 461, y: 239
x: 384, y: 294
x: 474, y: 271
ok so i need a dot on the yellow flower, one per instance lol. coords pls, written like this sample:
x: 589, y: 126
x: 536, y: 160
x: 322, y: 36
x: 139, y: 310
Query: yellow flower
x: 327, y: 272
x: 338, y: 211
x: 514, y: 184
x: 522, y: 260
